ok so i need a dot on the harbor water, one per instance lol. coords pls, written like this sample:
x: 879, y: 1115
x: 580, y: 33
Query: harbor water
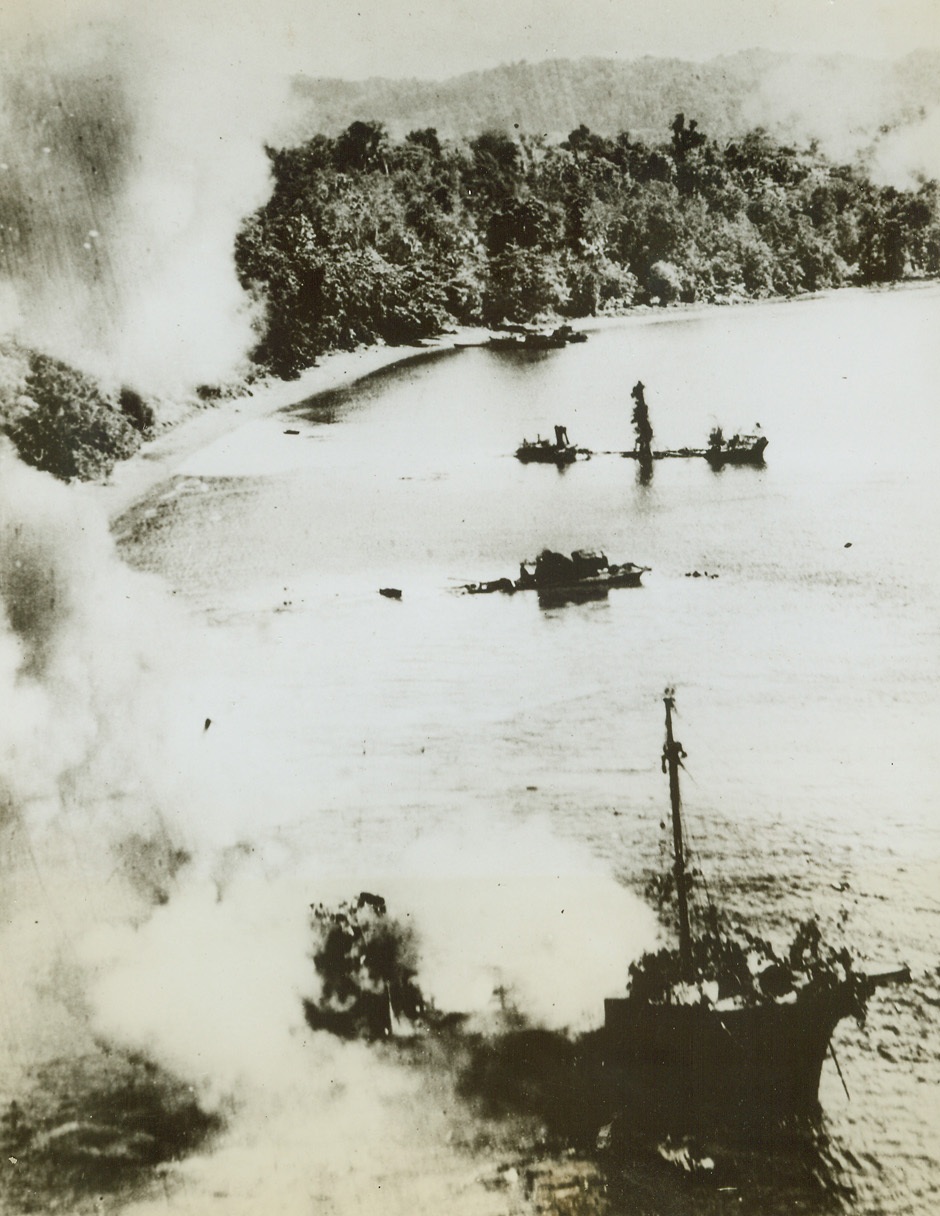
x: 460, y: 739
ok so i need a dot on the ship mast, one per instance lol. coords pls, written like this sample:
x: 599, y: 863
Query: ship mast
x: 672, y: 758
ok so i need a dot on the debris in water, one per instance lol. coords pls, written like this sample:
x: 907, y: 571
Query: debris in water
x: 367, y: 963
x: 390, y: 593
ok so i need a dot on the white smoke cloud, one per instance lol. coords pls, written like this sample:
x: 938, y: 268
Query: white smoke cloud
x: 79, y: 646
x: 87, y: 659
x: 139, y: 914
x: 212, y: 986
x: 213, y: 983
x: 133, y: 137
x: 837, y: 101
x: 511, y: 906
x: 354, y: 1132
x: 906, y: 156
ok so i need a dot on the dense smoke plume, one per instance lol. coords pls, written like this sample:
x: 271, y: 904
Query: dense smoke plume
x: 140, y: 915
x: 87, y: 651
x: 908, y: 155
x: 856, y: 110
x: 131, y: 148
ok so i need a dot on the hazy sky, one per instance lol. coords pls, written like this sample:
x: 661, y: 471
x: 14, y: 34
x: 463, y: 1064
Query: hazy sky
x: 129, y: 272
x: 438, y: 38
x: 441, y: 37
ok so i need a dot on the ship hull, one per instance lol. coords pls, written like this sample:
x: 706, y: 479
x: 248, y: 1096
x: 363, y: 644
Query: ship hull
x: 536, y: 454
x: 693, y: 1066
x: 558, y: 579
x: 582, y: 590
x: 752, y: 454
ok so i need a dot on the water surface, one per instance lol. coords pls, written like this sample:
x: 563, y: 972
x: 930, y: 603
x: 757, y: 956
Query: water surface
x: 806, y: 663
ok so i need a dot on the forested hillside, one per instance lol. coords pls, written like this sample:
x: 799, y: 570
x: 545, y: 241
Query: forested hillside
x: 796, y: 97
x: 366, y: 237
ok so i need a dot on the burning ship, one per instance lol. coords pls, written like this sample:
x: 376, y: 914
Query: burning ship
x: 721, y: 1031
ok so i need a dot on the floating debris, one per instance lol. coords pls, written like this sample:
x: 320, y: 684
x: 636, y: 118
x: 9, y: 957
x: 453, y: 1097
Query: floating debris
x: 586, y: 574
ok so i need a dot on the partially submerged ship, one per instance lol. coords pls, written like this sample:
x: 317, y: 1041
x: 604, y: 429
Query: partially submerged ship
x: 546, y: 451
x: 586, y: 574
x: 723, y: 1031
x: 559, y: 451
x: 524, y: 338
x: 564, y: 335
x: 739, y: 449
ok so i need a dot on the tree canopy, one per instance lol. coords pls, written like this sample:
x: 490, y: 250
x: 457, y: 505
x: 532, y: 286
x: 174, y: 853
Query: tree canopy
x: 366, y: 238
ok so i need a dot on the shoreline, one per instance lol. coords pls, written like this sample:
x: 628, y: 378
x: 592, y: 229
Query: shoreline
x: 160, y: 458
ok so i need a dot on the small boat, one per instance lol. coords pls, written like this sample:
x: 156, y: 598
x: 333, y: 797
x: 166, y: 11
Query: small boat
x: 543, y: 341
x: 723, y: 1032
x: 585, y: 575
x: 523, y: 338
x: 739, y: 449
x: 547, y: 451
x: 564, y: 335
x: 506, y: 342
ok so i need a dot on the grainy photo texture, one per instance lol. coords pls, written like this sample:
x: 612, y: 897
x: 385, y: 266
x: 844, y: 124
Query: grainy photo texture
x: 468, y: 608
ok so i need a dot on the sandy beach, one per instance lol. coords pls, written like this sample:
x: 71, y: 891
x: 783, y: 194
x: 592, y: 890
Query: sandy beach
x: 163, y: 456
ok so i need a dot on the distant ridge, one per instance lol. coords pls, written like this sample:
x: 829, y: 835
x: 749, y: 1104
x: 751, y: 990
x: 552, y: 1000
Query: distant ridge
x: 796, y: 97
